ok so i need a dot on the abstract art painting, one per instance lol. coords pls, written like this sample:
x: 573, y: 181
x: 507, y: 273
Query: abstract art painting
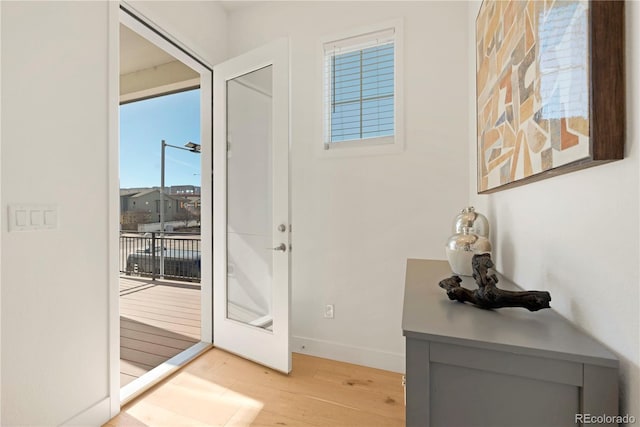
x: 550, y: 88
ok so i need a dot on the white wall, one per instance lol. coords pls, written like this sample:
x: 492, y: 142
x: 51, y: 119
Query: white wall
x: 577, y: 235
x: 55, y: 149
x: 357, y: 219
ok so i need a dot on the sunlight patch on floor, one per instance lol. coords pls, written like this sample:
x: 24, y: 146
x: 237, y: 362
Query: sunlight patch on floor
x: 204, y: 404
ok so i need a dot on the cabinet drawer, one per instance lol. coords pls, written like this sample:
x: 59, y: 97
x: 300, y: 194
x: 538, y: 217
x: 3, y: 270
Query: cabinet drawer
x: 461, y: 396
x: 537, y: 368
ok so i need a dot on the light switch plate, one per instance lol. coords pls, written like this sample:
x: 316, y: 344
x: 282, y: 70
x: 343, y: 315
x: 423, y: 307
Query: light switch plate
x: 32, y: 217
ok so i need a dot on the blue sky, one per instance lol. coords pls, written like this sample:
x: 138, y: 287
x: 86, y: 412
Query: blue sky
x: 143, y: 124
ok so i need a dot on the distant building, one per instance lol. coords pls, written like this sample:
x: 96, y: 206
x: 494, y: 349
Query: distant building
x: 188, y: 195
x: 147, y: 200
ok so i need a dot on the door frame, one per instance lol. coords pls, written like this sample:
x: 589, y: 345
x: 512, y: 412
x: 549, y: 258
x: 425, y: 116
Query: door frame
x: 122, y: 13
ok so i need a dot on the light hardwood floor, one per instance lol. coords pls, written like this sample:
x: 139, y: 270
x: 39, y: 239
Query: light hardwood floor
x: 220, y: 389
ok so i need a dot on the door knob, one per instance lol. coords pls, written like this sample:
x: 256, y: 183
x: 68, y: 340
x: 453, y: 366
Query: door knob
x: 282, y: 247
x: 282, y: 228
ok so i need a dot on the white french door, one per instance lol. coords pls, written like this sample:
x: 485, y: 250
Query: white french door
x: 251, y: 226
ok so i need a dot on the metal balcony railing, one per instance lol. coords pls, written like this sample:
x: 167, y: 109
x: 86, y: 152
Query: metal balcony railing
x: 140, y: 254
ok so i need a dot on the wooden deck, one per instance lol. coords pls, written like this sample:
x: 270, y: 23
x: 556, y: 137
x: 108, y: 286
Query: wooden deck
x: 158, y: 320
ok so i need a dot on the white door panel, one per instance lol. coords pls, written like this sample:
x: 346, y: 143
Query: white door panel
x: 251, y: 201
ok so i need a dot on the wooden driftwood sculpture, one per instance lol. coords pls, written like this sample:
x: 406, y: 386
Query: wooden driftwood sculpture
x: 488, y: 295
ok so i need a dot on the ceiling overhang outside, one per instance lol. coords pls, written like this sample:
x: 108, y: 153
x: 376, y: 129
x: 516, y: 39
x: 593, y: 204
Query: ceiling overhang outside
x: 147, y: 71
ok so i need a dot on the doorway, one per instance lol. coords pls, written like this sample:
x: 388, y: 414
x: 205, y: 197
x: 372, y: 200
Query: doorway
x: 266, y: 331
x: 164, y: 242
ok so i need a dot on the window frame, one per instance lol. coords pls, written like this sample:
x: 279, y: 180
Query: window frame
x: 365, y: 146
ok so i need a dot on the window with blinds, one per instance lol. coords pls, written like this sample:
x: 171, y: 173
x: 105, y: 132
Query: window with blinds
x: 359, y: 89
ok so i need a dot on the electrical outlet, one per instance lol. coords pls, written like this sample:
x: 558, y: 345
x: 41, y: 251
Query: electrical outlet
x: 328, y: 311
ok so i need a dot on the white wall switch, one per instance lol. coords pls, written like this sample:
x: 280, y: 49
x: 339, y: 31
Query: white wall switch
x: 51, y: 218
x: 36, y: 218
x: 20, y: 218
x: 33, y: 217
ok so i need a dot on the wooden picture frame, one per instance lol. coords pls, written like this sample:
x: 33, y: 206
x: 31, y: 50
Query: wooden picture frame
x: 550, y: 89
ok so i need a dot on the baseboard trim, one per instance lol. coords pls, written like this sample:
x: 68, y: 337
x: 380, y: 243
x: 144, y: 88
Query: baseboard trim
x: 364, y: 356
x: 96, y: 415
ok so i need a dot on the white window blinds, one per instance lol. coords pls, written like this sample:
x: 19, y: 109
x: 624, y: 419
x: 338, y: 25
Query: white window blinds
x: 359, y: 86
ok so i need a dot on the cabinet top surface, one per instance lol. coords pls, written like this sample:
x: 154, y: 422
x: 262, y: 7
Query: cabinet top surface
x: 429, y: 314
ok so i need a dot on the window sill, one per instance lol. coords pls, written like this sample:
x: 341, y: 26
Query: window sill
x: 362, y: 148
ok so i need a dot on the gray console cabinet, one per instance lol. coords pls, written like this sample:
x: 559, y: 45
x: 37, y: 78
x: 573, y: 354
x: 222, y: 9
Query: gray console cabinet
x: 509, y: 367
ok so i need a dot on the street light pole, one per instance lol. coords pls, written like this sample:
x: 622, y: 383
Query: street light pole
x: 164, y: 144
x: 189, y: 146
